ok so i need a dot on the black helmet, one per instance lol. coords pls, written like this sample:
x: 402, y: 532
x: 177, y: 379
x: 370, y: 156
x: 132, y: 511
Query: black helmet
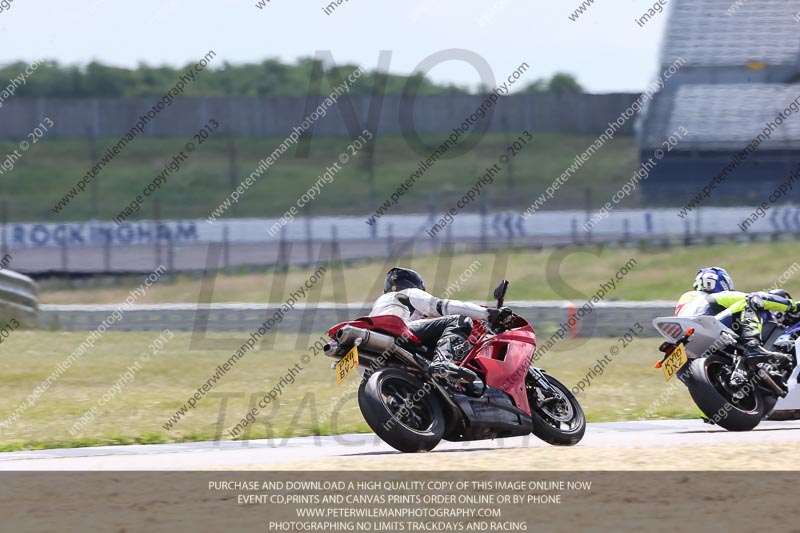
x: 398, y: 279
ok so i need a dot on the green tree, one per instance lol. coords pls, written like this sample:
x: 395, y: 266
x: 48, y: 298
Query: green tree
x: 561, y: 82
x: 271, y: 77
x: 564, y: 83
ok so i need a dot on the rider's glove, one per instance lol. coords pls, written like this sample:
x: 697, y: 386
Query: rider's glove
x: 793, y: 306
x: 498, y: 316
x: 755, y: 301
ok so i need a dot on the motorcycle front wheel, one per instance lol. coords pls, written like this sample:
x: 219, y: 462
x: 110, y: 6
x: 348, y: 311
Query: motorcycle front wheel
x: 558, y: 418
x: 402, y: 410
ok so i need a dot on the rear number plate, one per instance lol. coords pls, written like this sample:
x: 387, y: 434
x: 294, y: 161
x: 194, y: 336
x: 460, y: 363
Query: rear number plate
x: 674, y: 361
x: 347, y: 364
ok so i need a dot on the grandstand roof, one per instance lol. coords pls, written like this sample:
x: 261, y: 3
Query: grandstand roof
x: 707, y: 33
x: 724, y: 117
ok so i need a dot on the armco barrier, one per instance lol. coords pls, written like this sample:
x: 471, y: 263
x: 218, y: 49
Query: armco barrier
x: 606, y: 319
x: 18, y: 297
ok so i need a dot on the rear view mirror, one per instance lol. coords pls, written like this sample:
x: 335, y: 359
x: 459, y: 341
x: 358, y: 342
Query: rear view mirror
x: 500, y: 291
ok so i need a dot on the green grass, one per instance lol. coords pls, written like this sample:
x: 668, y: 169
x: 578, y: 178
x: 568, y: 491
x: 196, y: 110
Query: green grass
x: 660, y: 274
x: 625, y: 391
x: 51, y: 167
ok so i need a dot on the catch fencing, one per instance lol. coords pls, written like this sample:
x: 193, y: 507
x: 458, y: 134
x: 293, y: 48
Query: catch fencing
x: 276, y: 116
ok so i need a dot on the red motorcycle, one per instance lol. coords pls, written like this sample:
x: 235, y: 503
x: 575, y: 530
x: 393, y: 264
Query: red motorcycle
x: 494, y: 393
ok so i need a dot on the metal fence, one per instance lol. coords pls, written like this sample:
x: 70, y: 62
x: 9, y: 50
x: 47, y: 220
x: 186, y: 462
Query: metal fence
x: 276, y: 116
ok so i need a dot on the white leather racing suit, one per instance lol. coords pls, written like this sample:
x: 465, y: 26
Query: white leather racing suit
x: 415, y: 304
x: 442, y: 325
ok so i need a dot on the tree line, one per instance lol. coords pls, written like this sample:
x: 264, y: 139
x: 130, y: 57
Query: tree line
x: 269, y: 78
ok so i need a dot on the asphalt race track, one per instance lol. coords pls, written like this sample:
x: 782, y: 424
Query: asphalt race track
x: 367, y: 447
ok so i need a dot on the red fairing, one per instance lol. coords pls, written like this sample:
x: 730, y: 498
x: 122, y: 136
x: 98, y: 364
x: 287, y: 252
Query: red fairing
x: 389, y: 324
x: 505, y: 360
x: 478, y: 331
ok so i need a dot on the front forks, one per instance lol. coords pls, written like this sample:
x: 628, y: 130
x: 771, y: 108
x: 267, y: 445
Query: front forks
x: 540, y: 378
x: 545, y: 392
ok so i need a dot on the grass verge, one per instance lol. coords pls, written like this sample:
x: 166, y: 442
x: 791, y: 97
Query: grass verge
x: 57, y: 165
x: 137, y: 411
x: 658, y: 274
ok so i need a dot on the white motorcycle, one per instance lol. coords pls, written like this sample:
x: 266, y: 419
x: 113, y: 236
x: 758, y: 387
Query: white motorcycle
x: 704, y: 351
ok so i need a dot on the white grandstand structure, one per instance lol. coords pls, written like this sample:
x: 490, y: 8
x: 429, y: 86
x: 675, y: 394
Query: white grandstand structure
x: 740, y: 71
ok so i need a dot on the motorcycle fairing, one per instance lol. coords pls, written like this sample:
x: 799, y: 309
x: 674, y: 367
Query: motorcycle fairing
x: 792, y: 330
x: 492, y: 416
x: 789, y: 333
x: 505, y: 360
x: 388, y: 324
x: 793, y: 379
x: 708, y: 332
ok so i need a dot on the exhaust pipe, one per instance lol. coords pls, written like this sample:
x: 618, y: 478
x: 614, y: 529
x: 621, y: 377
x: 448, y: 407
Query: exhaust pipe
x: 370, y: 341
x: 766, y: 378
x: 376, y: 343
x: 330, y: 349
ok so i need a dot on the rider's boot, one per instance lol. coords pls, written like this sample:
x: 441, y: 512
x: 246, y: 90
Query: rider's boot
x: 755, y: 352
x: 443, y: 367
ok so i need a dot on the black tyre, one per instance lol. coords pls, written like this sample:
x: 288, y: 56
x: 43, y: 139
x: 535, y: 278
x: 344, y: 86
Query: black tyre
x: 402, y: 410
x: 707, y: 381
x: 557, y: 419
x: 769, y: 404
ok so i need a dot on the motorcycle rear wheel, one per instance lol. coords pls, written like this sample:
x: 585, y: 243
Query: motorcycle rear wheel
x: 559, y: 421
x: 716, y: 400
x: 401, y: 411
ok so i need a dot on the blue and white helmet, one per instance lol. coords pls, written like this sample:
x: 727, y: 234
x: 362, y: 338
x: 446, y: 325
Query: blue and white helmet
x: 713, y: 279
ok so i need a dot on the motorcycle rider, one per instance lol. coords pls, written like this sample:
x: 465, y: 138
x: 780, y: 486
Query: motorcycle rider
x: 715, y: 285
x: 440, y: 324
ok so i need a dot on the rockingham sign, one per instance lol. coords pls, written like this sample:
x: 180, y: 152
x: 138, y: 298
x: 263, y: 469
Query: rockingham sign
x: 99, y: 233
x: 631, y: 222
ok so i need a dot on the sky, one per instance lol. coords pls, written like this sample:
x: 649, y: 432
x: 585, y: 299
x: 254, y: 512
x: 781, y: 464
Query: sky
x: 604, y: 48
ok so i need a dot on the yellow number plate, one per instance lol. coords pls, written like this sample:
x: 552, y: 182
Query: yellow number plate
x: 674, y: 362
x: 347, y: 364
